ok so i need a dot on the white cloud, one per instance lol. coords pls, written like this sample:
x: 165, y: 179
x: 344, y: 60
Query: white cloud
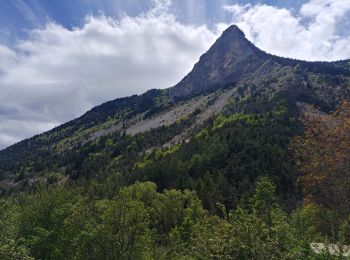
x: 7, y: 58
x: 57, y: 74
x: 310, y: 34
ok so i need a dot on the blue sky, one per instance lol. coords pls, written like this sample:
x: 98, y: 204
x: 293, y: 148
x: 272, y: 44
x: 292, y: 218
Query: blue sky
x: 59, y: 58
x: 19, y: 16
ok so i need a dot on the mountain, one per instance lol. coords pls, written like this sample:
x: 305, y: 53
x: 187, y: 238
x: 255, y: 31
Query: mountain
x: 247, y: 157
x: 232, y: 59
x: 230, y: 120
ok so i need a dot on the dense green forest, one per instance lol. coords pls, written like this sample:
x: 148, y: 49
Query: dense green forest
x: 221, y: 162
x: 137, y: 222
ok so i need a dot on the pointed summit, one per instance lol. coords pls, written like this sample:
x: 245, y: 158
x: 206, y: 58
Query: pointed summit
x: 230, y: 57
x: 233, y: 31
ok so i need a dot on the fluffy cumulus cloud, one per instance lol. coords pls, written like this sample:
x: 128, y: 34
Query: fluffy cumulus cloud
x: 311, y: 33
x: 57, y: 74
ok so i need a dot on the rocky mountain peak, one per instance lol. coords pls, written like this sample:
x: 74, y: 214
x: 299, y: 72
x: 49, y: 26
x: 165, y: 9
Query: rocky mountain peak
x: 233, y: 31
x: 230, y: 58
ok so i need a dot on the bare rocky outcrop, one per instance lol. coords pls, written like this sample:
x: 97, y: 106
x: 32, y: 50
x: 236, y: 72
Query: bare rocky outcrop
x: 229, y: 60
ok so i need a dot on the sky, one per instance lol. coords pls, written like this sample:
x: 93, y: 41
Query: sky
x: 60, y: 58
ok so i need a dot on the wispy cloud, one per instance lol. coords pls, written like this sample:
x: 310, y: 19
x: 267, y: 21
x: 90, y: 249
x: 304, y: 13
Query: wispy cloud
x: 32, y: 12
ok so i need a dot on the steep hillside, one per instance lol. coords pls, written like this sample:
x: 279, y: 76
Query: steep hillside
x: 232, y: 59
x: 227, y: 122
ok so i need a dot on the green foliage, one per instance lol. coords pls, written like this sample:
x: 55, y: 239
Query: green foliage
x: 224, y: 160
x: 139, y: 222
x: 10, y: 246
x: 263, y: 199
x: 220, y: 121
x: 123, y: 232
x: 249, y: 232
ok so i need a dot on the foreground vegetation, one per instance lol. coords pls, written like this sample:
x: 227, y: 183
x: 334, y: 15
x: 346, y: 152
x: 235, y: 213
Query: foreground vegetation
x: 140, y: 223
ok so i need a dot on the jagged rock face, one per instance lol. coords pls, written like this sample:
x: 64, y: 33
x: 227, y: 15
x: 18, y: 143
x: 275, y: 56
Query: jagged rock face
x: 230, y: 58
x: 233, y: 59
